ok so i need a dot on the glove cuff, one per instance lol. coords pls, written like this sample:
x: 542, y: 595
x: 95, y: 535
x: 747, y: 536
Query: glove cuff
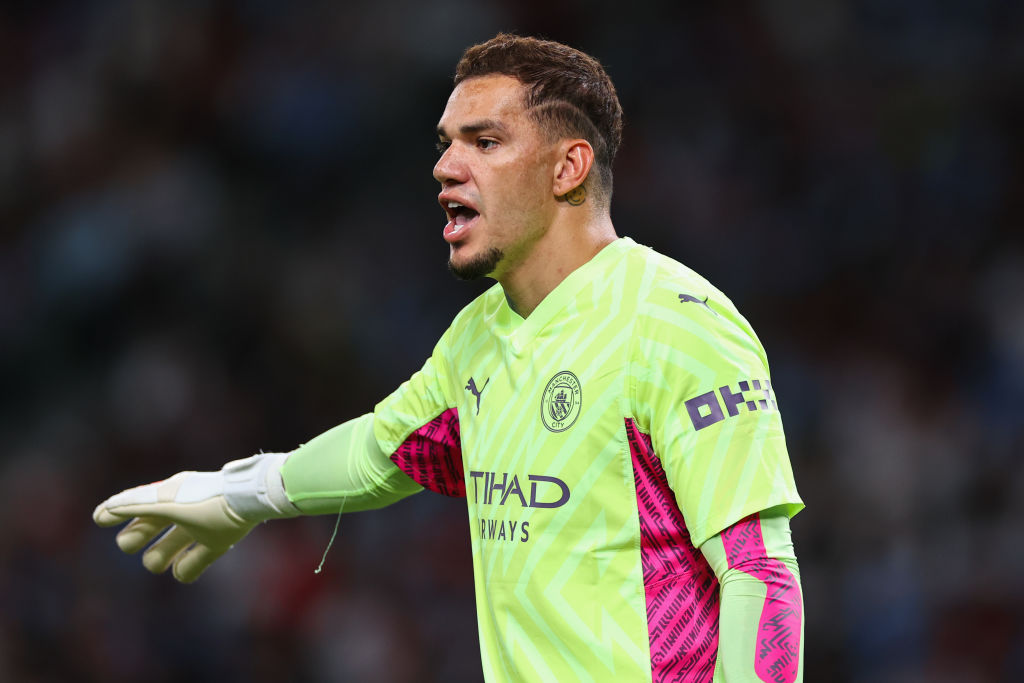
x: 254, y: 490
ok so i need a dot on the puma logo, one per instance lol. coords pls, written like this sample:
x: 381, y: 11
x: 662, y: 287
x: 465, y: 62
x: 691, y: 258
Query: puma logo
x: 689, y: 298
x: 471, y: 386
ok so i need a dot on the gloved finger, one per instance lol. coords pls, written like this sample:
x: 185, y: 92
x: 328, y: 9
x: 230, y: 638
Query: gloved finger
x: 158, y: 557
x: 126, y: 504
x: 107, y: 514
x: 193, y: 562
x: 136, y: 535
x: 104, y: 517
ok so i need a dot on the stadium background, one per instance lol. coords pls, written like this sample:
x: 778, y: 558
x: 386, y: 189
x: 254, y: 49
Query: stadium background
x: 219, y: 234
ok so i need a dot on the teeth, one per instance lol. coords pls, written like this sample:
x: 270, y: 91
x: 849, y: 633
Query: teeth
x: 453, y: 205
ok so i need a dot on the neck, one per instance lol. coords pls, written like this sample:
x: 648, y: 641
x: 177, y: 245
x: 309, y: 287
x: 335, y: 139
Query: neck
x: 567, y: 245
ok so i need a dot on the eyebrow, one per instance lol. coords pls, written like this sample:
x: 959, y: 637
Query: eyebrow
x: 475, y: 127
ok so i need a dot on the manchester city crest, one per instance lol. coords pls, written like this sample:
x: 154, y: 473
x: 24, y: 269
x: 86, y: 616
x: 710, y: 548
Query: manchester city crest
x: 560, y: 405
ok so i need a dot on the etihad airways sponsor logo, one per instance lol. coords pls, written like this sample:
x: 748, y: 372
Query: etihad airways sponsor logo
x: 497, y: 488
x: 504, y: 488
x: 504, y: 530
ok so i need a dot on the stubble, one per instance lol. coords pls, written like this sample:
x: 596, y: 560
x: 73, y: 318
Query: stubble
x: 482, y: 265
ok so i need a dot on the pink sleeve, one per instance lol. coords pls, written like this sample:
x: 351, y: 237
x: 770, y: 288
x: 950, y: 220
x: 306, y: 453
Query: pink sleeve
x: 432, y: 455
x: 760, y: 583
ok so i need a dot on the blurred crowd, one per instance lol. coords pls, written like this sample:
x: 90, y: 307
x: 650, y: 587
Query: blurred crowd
x: 219, y: 235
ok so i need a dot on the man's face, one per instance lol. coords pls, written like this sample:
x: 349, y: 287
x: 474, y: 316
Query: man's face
x: 496, y: 177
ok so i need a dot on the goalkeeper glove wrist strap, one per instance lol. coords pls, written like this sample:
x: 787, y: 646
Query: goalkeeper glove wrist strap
x: 254, y: 489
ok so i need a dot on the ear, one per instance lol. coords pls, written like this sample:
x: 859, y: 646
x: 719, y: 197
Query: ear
x: 573, y: 167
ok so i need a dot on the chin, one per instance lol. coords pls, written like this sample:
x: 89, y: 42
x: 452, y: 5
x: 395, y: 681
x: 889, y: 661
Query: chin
x: 476, y: 266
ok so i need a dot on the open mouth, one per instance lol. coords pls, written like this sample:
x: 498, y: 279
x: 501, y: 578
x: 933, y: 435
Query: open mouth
x: 460, y: 216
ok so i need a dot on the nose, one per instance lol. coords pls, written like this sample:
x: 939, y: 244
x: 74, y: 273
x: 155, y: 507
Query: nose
x: 450, y: 169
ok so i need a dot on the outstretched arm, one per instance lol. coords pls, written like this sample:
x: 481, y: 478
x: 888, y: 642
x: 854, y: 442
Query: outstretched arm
x: 344, y: 466
x: 199, y: 516
x: 761, y: 613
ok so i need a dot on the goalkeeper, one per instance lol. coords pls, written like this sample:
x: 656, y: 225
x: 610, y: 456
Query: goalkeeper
x: 606, y: 412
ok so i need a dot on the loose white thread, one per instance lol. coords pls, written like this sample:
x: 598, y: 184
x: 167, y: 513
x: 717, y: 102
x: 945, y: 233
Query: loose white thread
x: 333, y: 534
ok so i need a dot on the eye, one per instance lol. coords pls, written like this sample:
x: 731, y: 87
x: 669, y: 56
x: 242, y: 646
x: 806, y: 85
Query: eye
x: 443, y: 145
x: 486, y: 143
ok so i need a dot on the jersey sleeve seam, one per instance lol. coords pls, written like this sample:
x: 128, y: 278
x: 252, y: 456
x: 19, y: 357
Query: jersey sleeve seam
x: 630, y: 363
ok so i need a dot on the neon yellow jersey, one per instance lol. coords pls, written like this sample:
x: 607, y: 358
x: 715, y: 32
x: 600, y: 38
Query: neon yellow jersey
x: 599, y: 442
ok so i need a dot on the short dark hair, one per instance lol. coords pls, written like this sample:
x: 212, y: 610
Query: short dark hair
x: 568, y: 91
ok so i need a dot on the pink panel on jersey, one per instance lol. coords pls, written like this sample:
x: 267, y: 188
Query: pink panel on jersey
x: 778, y: 631
x: 681, y: 588
x: 432, y: 455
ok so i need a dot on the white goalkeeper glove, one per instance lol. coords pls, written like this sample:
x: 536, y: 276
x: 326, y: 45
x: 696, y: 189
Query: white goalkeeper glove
x: 203, y: 513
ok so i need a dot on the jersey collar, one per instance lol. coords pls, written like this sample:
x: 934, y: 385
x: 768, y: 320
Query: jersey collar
x: 523, y: 331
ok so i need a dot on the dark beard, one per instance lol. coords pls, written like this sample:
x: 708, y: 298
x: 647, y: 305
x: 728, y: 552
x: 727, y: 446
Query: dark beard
x: 481, y: 266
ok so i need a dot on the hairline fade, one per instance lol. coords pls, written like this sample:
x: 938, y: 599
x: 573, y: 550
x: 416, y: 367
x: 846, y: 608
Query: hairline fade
x: 568, y: 92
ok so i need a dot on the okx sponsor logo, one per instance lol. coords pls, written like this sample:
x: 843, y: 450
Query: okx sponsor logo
x: 716, y: 405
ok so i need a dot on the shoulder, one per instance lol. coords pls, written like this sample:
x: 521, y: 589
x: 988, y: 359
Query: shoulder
x: 661, y: 280
x: 681, y: 309
x: 672, y: 292
x: 481, y: 311
x: 476, y: 318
